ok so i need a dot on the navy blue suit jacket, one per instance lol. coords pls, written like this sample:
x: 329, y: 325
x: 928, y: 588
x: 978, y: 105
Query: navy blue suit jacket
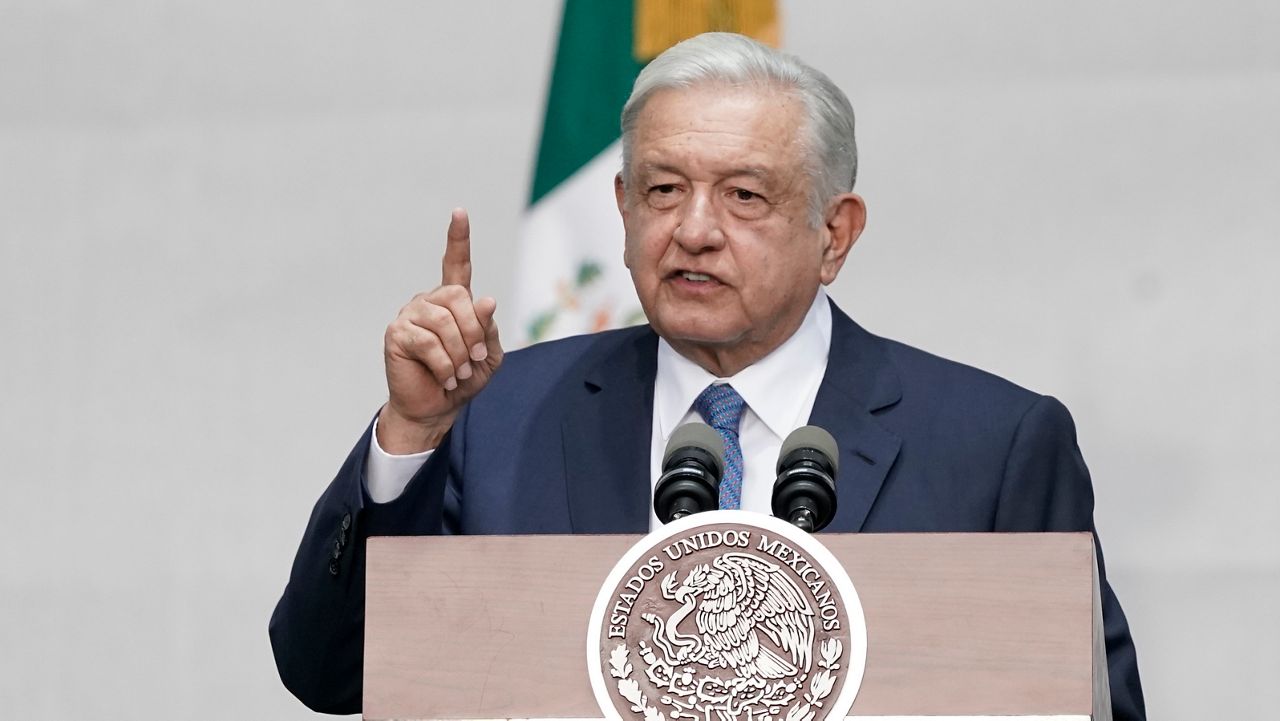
x: 559, y: 442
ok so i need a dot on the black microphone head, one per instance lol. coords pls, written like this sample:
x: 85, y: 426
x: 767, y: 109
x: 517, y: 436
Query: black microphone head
x: 805, y: 492
x: 691, y: 438
x: 809, y: 438
x: 691, y: 469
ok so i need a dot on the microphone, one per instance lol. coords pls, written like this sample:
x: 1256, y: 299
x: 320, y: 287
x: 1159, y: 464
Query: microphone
x: 805, y: 492
x: 691, y: 470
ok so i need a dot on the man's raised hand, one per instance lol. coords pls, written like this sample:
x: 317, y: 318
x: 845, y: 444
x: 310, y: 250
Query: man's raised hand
x: 440, y: 351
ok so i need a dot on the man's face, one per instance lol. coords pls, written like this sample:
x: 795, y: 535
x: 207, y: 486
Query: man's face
x: 716, y: 209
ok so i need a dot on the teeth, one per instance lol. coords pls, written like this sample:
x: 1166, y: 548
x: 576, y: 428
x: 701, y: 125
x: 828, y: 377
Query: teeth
x: 699, y: 277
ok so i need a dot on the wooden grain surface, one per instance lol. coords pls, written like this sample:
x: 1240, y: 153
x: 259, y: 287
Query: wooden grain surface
x: 957, y: 624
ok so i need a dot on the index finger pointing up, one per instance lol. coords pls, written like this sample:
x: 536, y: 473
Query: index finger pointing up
x: 456, y: 267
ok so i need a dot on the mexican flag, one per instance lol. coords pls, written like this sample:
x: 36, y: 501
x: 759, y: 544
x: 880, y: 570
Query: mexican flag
x: 570, y: 276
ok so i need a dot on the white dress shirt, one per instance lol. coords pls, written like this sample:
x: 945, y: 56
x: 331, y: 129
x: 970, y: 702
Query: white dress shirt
x: 779, y: 390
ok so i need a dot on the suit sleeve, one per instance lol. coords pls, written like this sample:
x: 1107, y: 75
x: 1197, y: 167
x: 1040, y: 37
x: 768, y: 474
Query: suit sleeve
x: 1046, y: 487
x: 317, y: 629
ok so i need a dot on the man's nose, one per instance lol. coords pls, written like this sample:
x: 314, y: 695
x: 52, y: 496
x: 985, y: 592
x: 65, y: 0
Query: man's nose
x: 699, y: 229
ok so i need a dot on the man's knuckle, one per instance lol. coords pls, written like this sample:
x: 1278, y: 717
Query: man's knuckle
x: 453, y: 293
x: 437, y: 315
x: 438, y: 361
x: 397, y: 332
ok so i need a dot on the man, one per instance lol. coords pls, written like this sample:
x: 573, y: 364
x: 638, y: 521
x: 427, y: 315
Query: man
x: 736, y: 196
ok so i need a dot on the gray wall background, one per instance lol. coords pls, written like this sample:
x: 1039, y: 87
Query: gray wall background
x: 209, y: 212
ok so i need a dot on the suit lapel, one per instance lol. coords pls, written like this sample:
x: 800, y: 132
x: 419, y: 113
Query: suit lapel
x: 859, y: 380
x: 607, y: 428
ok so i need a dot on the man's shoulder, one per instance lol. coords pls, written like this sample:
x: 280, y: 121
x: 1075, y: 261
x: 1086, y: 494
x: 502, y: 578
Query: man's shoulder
x: 940, y: 374
x: 918, y: 372
x: 932, y: 386
x: 953, y: 404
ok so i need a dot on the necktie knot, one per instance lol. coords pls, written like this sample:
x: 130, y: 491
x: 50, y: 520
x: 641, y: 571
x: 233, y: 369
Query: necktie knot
x: 721, y: 407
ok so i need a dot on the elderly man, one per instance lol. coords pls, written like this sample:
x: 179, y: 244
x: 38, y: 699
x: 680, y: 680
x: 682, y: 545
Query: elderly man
x: 736, y: 195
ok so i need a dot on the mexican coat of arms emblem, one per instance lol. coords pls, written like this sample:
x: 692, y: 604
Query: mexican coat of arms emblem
x: 727, y: 616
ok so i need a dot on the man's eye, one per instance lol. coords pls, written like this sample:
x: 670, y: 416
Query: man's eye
x: 744, y: 195
x: 664, y: 196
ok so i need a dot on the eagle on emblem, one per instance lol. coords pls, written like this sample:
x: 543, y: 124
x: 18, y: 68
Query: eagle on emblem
x: 733, y: 599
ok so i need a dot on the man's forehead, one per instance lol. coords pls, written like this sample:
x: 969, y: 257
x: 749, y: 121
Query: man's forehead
x: 764, y: 116
x: 655, y: 167
x: 711, y: 104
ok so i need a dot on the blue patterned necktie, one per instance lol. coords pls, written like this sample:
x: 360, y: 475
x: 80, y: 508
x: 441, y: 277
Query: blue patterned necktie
x: 721, y: 407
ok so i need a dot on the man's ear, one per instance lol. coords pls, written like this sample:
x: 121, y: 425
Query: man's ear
x: 846, y: 217
x: 620, y: 193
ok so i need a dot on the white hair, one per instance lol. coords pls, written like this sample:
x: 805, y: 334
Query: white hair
x: 739, y: 61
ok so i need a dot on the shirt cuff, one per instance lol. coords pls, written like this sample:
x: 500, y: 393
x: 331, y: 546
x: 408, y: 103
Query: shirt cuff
x: 386, y: 475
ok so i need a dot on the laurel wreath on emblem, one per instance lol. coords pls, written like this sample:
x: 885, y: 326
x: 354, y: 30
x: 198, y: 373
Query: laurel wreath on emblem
x: 820, y: 685
x: 629, y: 688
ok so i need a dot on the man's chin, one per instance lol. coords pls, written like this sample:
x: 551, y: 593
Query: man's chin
x: 698, y: 333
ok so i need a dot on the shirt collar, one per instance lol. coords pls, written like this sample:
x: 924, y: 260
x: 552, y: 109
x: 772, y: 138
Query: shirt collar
x: 766, y: 385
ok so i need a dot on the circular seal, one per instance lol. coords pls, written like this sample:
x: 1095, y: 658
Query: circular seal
x: 729, y: 616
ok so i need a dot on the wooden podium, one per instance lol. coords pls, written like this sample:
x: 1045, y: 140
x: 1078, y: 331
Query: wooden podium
x: 958, y: 625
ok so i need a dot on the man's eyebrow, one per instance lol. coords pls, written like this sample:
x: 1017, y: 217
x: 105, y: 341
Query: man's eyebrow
x: 754, y: 171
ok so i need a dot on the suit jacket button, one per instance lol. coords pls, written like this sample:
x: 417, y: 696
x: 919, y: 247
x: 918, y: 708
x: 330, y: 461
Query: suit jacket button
x: 337, y: 550
x: 333, y: 568
x: 346, y: 521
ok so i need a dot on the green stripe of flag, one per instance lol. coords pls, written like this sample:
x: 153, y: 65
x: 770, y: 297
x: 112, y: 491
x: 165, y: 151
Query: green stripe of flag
x: 594, y: 71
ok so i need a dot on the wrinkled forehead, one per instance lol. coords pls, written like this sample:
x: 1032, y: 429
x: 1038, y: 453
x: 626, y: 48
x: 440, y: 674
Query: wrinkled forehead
x: 759, y: 130
x: 712, y: 99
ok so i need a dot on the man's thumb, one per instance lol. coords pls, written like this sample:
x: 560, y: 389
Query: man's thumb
x: 485, y: 309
